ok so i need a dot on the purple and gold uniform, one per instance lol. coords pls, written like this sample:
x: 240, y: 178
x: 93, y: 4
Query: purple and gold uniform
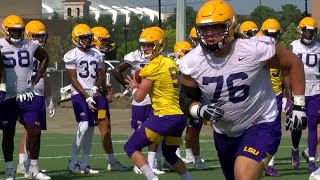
x: 242, y: 80
x: 310, y: 56
x: 18, y: 60
x: 168, y: 121
x: 140, y: 111
x: 86, y: 64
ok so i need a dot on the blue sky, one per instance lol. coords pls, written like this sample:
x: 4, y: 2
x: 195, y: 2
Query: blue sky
x: 243, y: 7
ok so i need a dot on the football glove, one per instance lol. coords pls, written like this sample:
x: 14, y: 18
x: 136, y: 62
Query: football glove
x: 50, y: 106
x: 91, y: 104
x: 26, y: 96
x: 297, y: 119
x: 212, y: 112
x: 286, y: 106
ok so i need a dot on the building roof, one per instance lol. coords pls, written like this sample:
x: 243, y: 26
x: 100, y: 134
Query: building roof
x: 74, y: 1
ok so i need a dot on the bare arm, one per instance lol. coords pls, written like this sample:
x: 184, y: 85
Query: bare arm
x: 117, y: 72
x: 100, y: 79
x: 72, y: 75
x: 2, y: 71
x: 289, y: 62
x: 41, y: 55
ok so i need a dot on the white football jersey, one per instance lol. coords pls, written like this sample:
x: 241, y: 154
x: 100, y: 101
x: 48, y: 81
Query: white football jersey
x: 137, y: 60
x: 241, y: 79
x: 86, y: 64
x: 310, y: 56
x: 38, y: 89
x: 18, y: 60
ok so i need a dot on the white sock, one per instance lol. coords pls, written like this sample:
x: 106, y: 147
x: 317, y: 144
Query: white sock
x: 86, y: 147
x: 34, y: 162
x: 9, y: 165
x: 22, y: 158
x: 78, y: 140
x: 147, y: 171
x: 111, y: 158
x: 151, y: 158
x: 271, y: 161
x: 295, y: 149
x: 178, y: 153
x: 186, y: 175
x: 312, y: 159
x: 189, y: 152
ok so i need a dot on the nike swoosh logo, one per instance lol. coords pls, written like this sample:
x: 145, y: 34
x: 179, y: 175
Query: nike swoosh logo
x: 241, y: 58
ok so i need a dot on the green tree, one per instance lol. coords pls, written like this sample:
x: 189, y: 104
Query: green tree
x: 170, y: 34
x: 131, y: 46
x: 289, y: 14
x: 265, y: 12
x: 190, y: 20
x: 289, y: 35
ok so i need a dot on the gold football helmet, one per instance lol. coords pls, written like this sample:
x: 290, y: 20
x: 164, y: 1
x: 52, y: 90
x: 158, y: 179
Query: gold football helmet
x: 308, y: 30
x: 271, y: 27
x: 101, y: 39
x: 248, y: 29
x: 80, y: 31
x: 193, y: 37
x: 13, y: 23
x: 181, y: 49
x: 36, y: 30
x: 155, y: 36
x: 210, y: 14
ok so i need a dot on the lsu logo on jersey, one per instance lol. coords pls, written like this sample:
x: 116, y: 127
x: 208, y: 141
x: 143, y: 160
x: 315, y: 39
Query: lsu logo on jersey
x: 251, y: 150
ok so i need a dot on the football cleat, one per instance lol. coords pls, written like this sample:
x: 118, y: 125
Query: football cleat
x: 200, y: 166
x: 9, y: 174
x: 89, y: 170
x: 270, y: 171
x: 74, y: 168
x: 35, y: 173
x: 117, y: 166
x: 315, y: 175
x: 157, y: 171
x: 137, y: 170
x: 295, y: 159
x: 312, y: 166
x: 21, y: 169
x: 190, y: 159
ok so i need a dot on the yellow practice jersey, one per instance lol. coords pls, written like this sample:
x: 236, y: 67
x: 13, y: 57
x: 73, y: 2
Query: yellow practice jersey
x: 276, y: 79
x: 164, y: 95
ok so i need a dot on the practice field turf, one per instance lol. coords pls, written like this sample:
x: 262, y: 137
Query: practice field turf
x: 55, y: 152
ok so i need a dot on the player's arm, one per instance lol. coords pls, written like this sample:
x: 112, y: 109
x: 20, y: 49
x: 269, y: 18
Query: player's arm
x: 288, y: 61
x: 2, y: 71
x: 117, y: 72
x: 286, y: 85
x: 72, y: 75
x: 190, y: 94
x: 144, y: 88
x: 100, y: 78
x: 41, y: 55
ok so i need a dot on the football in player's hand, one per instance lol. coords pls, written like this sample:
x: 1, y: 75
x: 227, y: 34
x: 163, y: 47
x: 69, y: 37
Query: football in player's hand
x: 137, y: 76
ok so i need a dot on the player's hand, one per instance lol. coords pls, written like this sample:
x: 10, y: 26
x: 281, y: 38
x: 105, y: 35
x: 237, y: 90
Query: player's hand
x: 297, y: 119
x: 132, y: 82
x: 27, y: 96
x: 3, y: 91
x: 212, y: 112
x: 91, y: 104
x: 50, y: 106
x: 35, y: 79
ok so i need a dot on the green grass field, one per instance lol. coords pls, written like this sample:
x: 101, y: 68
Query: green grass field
x: 55, y: 152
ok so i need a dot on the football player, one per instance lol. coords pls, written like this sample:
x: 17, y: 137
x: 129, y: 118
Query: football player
x: 160, y: 79
x: 248, y: 29
x: 271, y: 27
x: 193, y: 125
x: 36, y: 31
x: 84, y: 66
x: 18, y: 54
x: 232, y: 74
x: 101, y: 42
x: 140, y: 111
x: 308, y: 50
x: 193, y: 37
